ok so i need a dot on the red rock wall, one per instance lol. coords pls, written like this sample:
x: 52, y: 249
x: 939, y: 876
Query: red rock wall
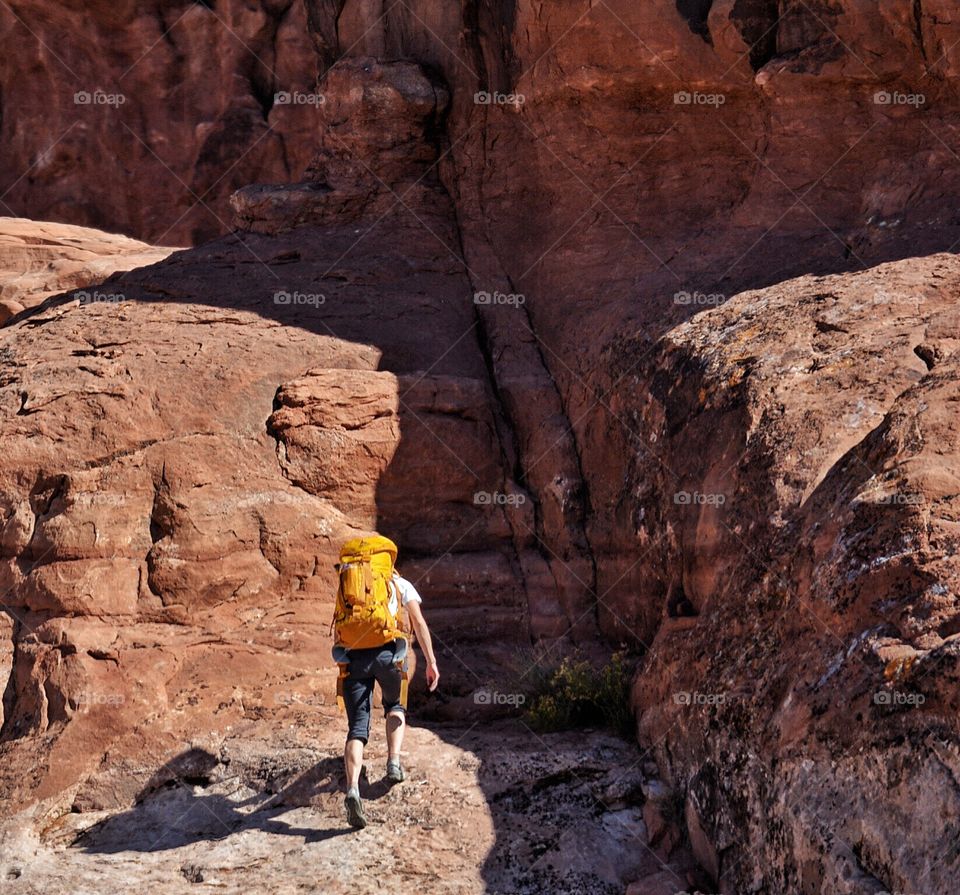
x: 604, y: 200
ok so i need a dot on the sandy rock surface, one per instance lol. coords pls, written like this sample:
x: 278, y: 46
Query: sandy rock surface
x: 497, y: 809
x: 39, y: 259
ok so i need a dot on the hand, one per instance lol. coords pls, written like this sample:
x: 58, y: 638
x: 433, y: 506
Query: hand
x: 433, y: 676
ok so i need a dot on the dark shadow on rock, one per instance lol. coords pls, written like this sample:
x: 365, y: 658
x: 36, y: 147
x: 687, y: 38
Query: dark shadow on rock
x: 565, y: 808
x: 174, y: 809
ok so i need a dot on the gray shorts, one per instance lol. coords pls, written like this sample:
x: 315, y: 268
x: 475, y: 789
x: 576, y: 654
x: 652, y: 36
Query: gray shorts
x: 378, y: 664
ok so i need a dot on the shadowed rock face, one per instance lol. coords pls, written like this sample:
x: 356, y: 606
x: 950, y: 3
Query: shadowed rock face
x: 143, y: 117
x: 476, y: 325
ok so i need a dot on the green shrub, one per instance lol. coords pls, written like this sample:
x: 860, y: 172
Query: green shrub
x: 575, y: 694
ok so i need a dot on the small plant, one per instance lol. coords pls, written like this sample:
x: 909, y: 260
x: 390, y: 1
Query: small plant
x: 575, y: 694
x: 673, y: 809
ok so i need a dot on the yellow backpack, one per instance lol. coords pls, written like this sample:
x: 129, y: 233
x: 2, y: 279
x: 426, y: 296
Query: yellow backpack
x: 362, y: 617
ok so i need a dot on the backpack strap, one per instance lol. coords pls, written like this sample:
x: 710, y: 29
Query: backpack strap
x: 404, y: 681
x: 336, y: 612
x: 402, y: 666
x: 393, y: 593
x: 367, y: 576
x: 344, y: 674
x: 338, y: 601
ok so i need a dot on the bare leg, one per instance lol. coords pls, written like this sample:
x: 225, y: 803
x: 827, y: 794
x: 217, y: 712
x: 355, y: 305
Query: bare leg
x: 353, y: 762
x: 396, y: 721
x: 396, y: 725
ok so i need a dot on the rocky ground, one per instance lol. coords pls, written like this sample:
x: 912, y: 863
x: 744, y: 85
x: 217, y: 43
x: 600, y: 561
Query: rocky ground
x: 485, y: 809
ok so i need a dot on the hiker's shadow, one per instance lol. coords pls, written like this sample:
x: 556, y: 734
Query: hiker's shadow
x: 325, y: 777
x: 181, y: 805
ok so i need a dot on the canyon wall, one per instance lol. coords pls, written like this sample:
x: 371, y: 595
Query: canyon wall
x: 143, y: 116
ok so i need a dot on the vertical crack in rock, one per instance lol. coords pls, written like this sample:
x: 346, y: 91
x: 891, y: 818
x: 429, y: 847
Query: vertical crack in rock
x: 547, y: 461
x: 161, y: 526
x: 260, y: 73
x: 507, y: 437
x: 696, y: 13
x: 471, y: 25
x: 918, y: 28
x: 578, y: 507
x: 323, y: 17
x: 47, y: 491
x: 488, y: 29
x: 8, y: 646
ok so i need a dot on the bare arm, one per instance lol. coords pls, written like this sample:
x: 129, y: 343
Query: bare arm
x: 426, y: 644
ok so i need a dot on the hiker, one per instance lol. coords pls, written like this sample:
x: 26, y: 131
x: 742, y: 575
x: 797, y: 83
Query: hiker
x: 372, y: 644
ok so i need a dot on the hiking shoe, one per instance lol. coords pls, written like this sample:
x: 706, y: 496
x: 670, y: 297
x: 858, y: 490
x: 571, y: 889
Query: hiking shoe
x: 394, y: 771
x: 354, y: 806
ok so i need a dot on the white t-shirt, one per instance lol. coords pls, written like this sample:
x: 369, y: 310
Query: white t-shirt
x: 408, y: 593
